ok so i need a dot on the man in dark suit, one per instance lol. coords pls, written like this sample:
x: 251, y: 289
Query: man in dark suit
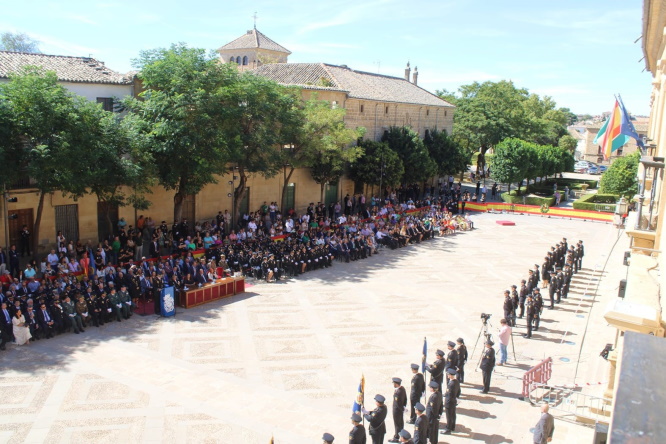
x: 357, y: 433
x: 451, y: 401
x: 377, y: 427
x: 415, y: 392
x: 487, y: 365
x: 543, y: 430
x: 399, y: 404
x: 437, y: 368
x: 421, y: 425
x: 6, y: 326
x: 451, y: 357
x: 45, y: 320
x: 201, y: 278
x: 434, y: 411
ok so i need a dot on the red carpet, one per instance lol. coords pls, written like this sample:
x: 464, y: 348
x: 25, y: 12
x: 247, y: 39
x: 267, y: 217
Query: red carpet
x: 505, y: 223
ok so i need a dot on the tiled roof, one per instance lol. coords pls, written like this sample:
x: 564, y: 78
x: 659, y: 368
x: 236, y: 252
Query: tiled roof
x: 357, y: 84
x: 68, y: 69
x: 254, y: 39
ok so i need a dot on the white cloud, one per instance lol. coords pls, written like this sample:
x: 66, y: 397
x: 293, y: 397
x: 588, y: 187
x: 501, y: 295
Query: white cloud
x: 53, y: 45
x: 346, y: 16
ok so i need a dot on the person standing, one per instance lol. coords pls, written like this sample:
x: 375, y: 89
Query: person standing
x: 530, y: 311
x: 522, y: 298
x: 508, y: 304
x: 405, y: 437
x: 437, y: 368
x: 487, y: 365
x: 504, y: 337
x: 357, y: 433
x: 434, y: 411
x: 25, y: 240
x: 14, y: 261
x: 399, y: 405
x: 327, y: 438
x: 377, y: 426
x: 421, y: 425
x: 543, y: 430
x: 451, y: 401
x: 462, y: 359
x: 415, y: 392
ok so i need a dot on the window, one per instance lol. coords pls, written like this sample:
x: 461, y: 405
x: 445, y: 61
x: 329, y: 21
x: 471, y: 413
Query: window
x: 361, y: 108
x: 334, y: 104
x: 618, y: 152
x: 238, y: 60
x: 244, y: 60
x: 107, y: 103
x: 386, y: 110
x: 444, y: 113
x: 427, y: 112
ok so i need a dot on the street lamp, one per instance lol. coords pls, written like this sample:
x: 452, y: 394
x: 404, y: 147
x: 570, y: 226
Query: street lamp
x: 621, y: 209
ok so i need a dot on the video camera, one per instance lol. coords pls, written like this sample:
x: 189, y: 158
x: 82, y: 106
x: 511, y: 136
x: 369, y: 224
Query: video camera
x: 485, y: 317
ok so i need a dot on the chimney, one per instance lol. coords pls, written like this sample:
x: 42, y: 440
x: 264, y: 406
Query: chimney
x: 415, y: 76
x: 407, y: 71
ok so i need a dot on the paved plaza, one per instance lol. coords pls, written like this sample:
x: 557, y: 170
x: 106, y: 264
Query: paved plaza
x: 285, y: 359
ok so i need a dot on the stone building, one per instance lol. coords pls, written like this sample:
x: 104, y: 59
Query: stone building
x: 373, y: 101
x: 592, y: 152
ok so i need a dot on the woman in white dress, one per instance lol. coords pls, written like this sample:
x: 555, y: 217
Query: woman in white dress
x: 21, y: 330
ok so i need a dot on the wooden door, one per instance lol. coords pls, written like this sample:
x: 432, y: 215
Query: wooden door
x: 18, y: 218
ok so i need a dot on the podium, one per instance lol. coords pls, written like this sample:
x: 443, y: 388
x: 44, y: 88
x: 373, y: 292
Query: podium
x: 220, y: 289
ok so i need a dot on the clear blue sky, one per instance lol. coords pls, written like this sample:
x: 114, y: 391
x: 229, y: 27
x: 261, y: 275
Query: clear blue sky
x: 578, y: 52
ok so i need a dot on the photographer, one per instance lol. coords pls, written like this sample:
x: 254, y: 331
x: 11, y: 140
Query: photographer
x: 504, y: 337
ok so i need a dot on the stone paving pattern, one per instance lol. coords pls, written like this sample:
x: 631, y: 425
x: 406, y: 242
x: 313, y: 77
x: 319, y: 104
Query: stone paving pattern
x: 285, y: 359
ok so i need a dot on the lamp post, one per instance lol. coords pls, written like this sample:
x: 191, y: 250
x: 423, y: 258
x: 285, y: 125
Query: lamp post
x: 621, y: 209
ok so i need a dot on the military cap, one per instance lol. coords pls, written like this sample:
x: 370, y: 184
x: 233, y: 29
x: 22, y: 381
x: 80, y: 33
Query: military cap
x: 439, y: 353
x: 538, y: 290
x: 396, y: 380
x: 420, y: 407
x: 404, y: 434
x: 552, y: 272
x: 414, y: 366
x: 489, y: 342
x: 433, y: 384
x: 328, y: 437
x: 523, y: 281
x: 514, y: 286
x: 356, y: 417
x: 460, y: 340
x: 451, y: 371
x: 380, y: 399
x: 451, y: 344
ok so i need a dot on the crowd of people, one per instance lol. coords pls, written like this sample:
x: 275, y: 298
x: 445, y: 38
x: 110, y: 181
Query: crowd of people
x: 78, y: 285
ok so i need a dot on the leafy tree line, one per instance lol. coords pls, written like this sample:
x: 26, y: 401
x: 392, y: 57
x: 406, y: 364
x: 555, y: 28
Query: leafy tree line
x: 514, y: 160
x: 488, y: 113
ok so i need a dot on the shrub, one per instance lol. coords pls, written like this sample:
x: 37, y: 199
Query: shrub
x: 591, y: 202
x: 518, y: 199
x: 621, y: 176
x: 572, y: 183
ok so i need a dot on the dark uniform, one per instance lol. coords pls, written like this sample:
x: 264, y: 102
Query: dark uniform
x: 462, y: 359
x: 538, y: 308
x: 451, y: 357
x: 421, y: 426
x: 522, y: 298
x: 487, y: 365
x: 399, y: 404
x: 450, y: 402
x: 415, y: 392
x: 357, y: 433
x: 530, y: 310
x: 433, y: 412
x: 552, y: 289
x: 375, y: 418
x: 437, y: 369
x: 508, y: 305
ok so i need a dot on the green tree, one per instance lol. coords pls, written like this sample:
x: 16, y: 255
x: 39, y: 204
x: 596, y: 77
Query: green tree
x: 18, y: 42
x: 568, y: 142
x: 51, y: 129
x: 379, y: 166
x: 264, y: 117
x: 449, y: 156
x: 322, y: 131
x: 507, y: 165
x: 415, y: 158
x: 620, y: 178
x: 185, y: 107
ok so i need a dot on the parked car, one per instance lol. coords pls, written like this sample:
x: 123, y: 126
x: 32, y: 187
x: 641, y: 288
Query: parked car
x: 593, y: 169
x: 602, y: 168
x: 580, y: 169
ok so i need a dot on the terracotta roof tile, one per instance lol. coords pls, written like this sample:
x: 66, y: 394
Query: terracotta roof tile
x: 358, y: 84
x: 254, y: 39
x: 68, y: 69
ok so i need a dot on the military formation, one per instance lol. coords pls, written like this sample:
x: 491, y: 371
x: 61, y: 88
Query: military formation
x: 554, y: 276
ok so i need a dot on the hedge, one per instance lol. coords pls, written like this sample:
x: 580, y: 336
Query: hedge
x: 590, y: 201
x: 573, y: 183
x: 513, y: 199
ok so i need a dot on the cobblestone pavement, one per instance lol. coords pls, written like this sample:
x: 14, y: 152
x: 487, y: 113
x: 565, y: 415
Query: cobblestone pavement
x: 285, y: 359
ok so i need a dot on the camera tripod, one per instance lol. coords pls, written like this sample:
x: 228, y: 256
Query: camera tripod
x: 485, y: 323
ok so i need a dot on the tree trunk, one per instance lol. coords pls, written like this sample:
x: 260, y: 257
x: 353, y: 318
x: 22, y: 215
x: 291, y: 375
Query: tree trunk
x: 109, y: 224
x: 322, y: 185
x: 239, y: 195
x: 38, y: 222
x: 287, y: 178
x: 178, y: 200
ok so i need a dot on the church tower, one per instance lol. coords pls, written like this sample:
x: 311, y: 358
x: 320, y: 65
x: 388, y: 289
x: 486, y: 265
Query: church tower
x: 252, y: 50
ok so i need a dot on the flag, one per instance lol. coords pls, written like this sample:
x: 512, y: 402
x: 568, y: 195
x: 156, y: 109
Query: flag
x: 360, y: 397
x: 272, y: 440
x: 425, y: 353
x: 616, y: 131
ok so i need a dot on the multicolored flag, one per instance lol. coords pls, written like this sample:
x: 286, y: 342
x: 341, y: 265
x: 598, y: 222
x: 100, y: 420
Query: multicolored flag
x: 360, y: 397
x: 616, y: 131
x: 425, y: 354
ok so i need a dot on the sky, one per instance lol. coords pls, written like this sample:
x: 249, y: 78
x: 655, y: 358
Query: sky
x: 579, y: 53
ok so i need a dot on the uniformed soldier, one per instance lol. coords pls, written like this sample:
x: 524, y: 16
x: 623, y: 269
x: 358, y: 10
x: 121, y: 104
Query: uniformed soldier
x: 508, y: 304
x: 115, y: 304
x: 375, y: 418
x: 69, y: 309
x: 521, y: 299
x: 406, y: 437
x: 125, y: 299
x: 357, y: 433
x: 530, y: 310
x: 421, y: 425
x: 538, y: 308
x: 434, y: 411
x: 515, y: 300
x: 399, y: 406
x: 437, y: 368
x: 328, y: 438
x: 415, y: 392
x: 552, y: 289
x: 451, y: 357
x: 487, y: 365
x: 451, y: 401
x: 462, y: 359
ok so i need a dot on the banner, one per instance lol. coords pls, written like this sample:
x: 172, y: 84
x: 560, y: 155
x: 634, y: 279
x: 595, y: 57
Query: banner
x: 167, y: 302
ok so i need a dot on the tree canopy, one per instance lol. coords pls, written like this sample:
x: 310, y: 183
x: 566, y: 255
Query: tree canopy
x: 18, y: 42
x: 620, y: 178
x: 416, y: 160
x: 378, y: 165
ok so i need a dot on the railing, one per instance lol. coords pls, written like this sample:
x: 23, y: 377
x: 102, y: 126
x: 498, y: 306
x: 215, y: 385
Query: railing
x: 540, y: 373
x: 605, y: 207
x: 576, y: 403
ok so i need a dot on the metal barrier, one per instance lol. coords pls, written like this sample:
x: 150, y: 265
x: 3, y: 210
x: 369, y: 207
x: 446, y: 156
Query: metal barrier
x: 579, y: 404
x: 606, y: 208
x: 540, y: 373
